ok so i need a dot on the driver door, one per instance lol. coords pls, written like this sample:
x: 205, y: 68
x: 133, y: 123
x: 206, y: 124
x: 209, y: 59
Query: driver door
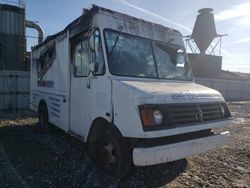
x: 80, y: 103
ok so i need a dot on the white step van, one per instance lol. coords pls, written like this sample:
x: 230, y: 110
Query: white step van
x: 124, y: 86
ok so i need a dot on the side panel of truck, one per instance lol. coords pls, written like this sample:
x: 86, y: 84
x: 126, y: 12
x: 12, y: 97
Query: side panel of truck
x: 51, y: 83
x: 73, y: 101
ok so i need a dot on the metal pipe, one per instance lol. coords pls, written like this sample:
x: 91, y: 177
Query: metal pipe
x: 33, y: 25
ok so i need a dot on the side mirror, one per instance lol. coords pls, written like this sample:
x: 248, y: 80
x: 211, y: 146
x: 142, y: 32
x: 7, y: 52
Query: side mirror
x: 93, y: 67
x: 180, y: 58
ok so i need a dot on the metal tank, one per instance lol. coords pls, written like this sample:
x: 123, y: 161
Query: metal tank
x: 12, y: 39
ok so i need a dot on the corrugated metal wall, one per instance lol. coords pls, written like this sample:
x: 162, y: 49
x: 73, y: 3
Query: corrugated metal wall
x: 14, y: 91
x: 230, y: 89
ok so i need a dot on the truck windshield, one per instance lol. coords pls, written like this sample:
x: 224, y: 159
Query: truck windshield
x: 138, y: 57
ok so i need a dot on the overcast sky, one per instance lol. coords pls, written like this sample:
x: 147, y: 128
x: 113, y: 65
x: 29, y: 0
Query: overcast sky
x: 232, y: 17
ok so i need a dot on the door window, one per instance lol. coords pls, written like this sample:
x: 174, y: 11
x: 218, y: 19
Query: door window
x: 98, y: 56
x: 81, y: 58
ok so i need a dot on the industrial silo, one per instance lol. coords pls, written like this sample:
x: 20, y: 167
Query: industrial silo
x: 12, y: 38
x: 14, y: 68
x: 205, y: 57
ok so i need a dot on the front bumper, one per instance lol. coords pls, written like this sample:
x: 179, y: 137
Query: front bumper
x: 172, y: 152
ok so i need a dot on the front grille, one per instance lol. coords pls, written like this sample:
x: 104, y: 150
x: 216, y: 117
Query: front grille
x: 194, y: 113
x: 211, y: 112
x: 176, y: 115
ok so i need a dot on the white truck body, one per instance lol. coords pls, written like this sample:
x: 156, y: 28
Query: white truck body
x: 75, y: 103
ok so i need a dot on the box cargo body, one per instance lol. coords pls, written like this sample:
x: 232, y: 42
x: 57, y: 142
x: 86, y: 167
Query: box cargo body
x: 126, y: 83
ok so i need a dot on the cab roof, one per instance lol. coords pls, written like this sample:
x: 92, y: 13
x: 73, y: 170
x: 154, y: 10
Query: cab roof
x: 83, y: 22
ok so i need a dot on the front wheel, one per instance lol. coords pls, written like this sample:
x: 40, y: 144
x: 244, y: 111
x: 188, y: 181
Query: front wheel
x: 114, y: 155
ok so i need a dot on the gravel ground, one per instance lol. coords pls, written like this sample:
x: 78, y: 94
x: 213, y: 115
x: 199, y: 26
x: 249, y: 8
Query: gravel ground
x: 31, y: 159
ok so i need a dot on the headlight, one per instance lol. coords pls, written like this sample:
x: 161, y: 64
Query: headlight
x: 158, y: 117
x: 150, y: 117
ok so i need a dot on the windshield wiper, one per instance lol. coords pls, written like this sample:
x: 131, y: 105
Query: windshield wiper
x: 116, y: 40
x: 113, y: 47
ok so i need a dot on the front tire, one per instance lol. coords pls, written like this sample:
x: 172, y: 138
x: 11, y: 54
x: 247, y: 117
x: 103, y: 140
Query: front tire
x: 44, y: 124
x: 114, y: 155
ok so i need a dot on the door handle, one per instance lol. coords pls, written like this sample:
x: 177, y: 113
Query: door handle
x: 89, y: 81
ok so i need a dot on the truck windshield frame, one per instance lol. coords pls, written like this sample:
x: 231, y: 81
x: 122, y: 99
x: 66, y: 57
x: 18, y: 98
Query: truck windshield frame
x: 134, y: 56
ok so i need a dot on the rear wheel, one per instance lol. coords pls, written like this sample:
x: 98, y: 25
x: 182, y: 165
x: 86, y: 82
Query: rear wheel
x: 113, y: 154
x: 44, y: 124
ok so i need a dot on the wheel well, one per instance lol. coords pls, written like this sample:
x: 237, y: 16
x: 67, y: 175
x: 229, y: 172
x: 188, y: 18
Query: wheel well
x: 41, y: 103
x: 97, y: 128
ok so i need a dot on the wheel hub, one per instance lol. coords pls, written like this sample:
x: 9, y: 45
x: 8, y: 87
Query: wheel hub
x: 109, y: 155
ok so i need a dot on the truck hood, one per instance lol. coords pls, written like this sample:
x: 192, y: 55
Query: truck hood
x: 171, y: 92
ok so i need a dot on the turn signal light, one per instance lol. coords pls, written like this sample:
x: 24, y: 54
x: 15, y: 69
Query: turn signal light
x: 147, y: 117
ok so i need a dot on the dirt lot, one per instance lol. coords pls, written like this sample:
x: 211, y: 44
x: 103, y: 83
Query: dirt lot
x: 31, y: 159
